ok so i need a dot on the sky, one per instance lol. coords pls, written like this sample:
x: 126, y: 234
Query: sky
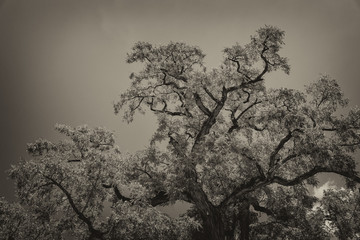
x: 319, y: 190
x: 63, y: 61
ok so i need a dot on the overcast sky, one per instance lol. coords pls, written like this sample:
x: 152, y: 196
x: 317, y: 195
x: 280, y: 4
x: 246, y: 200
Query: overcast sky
x: 63, y: 61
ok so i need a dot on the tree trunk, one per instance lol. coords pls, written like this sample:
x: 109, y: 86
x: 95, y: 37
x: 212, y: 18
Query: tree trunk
x: 244, y: 221
x: 213, y: 226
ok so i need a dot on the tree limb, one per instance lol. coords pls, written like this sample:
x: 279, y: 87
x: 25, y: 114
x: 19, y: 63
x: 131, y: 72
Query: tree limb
x: 164, y: 109
x: 200, y: 104
x: 259, y: 208
x: 81, y: 216
x: 252, y: 184
x: 317, y: 169
x: 238, y: 68
x: 211, y: 95
x: 281, y: 144
x: 160, y: 198
x: 211, y: 120
x: 236, y: 119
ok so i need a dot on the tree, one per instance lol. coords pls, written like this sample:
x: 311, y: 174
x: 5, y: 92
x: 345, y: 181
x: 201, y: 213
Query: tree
x: 66, y: 187
x: 340, y: 212
x: 225, y: 144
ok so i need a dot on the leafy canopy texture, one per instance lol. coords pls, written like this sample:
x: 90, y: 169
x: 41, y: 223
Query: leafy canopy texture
x: 340, y: 212
x: 242, y: 155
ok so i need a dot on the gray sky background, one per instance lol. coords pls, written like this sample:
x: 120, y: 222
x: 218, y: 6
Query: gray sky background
x: 64, y: 61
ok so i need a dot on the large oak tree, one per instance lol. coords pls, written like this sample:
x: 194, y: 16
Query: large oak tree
x: 242, y: 155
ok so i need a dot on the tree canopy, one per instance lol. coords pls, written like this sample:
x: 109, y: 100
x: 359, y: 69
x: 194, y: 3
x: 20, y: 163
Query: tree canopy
x: 241, y: 154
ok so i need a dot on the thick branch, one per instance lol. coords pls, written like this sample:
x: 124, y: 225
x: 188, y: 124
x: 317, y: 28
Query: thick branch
x: 299, y: 179
x: 211, y: 120
x: 117, y: 192
x: 201, y: 105
x: 252, y: 184
x: 280, y: 146
x: 160, y: 198
x: 259, y: 208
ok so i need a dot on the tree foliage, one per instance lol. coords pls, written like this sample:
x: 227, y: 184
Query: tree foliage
x: 234, y: 149
x: 339, y: 211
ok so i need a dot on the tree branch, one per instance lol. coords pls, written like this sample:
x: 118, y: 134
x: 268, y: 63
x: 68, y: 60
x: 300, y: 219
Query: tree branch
x: 248, y: 96
x: 211, y: 95
x: 160, y: 198
x: 252, y: 184
x: 266, y: 62
x: 144, y: 171
x: 164, y: 109
x: 259, y: 208
x: 238, y: 68
x: 200, y: 104
x: 74, y: 160
x: 165, y: 72
x: 280, y: 146
x: 317, y: 169
x: 81, y: 216
x: 117, y: 192
x: 260, y: 76
x: 236, y: 119
x: 211, y: 120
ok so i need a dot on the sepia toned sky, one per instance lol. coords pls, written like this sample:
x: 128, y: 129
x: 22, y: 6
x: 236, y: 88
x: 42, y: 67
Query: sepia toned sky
x: 63, y: 61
